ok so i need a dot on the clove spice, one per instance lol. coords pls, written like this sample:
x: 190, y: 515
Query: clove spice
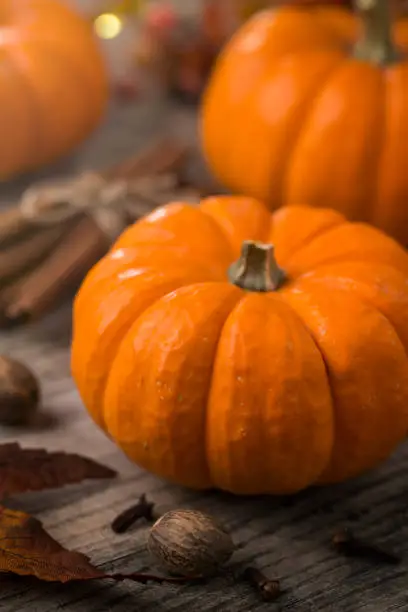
x: 350, y: 545
x: 269, y: 589
x: 143, y: 509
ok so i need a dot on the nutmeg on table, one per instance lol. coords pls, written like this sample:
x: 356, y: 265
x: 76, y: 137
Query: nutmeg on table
x: 189, y: 543
x: 20, y: 392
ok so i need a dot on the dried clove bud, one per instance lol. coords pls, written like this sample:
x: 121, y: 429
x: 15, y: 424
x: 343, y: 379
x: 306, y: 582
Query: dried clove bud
x: 189, y: 543
x: 269, y: 589
x: 352, y: 546
x: 19, y: 392
x: 126, y: 519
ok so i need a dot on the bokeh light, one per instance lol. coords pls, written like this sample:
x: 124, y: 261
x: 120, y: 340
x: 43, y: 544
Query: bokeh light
x: 108, y: 25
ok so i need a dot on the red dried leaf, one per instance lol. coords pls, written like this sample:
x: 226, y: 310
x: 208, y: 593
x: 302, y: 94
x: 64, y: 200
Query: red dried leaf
x: 26, y: 549
x: 37, y: 469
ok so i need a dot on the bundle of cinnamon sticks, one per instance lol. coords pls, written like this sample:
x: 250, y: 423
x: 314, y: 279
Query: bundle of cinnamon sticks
x: 58, y: 231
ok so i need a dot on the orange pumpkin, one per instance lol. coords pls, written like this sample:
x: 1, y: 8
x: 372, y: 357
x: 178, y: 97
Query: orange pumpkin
x: 311, y: 105
x: 53, y: 84
x: 285, y: 369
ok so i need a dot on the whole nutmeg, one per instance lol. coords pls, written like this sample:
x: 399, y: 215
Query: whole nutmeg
x: 189, y: 543
x: 19, y: 392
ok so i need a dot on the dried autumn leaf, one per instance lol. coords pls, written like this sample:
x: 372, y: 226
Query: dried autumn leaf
x: 26, y: 549
x: 26, y: 469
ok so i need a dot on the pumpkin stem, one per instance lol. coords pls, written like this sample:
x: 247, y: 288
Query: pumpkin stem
x: 376, y: 43
x: 256, y: 269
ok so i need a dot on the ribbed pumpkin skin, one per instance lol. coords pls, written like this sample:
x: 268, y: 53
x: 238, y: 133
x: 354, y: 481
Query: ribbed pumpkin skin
x: 53, y: 83
x: 289, y: 116
x: 208, y: 385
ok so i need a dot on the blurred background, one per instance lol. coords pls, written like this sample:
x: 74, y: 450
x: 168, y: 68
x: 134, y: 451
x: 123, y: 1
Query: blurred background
x: 91, y: 91
x: 99, y: 102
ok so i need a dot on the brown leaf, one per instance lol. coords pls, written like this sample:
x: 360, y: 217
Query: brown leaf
x: 37, y: 469
x: 26, y: 549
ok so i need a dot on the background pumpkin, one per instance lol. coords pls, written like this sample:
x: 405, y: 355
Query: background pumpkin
x: 305, y: 105
x: 266, y: 389
x: 53, y: 86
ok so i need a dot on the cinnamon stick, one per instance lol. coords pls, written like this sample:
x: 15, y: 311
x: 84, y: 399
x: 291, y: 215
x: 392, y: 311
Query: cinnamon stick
x: 11, y: 225
x: 33, y: 296
x: 19, y: 258
x: 160, y: 156
x: 51, y: 280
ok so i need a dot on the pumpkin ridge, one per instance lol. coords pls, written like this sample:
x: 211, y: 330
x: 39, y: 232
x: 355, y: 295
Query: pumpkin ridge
x: 328, y: 166
x: 349, y: 433
x: 320, y: 230
x: 170, y: 225
x: 133, y: 446
x: 120, y: 267
x: 223, y: 149
x: 390, y: 183
x: 218, y: 222
x: 375, y: 196
x: 236, y: 213
x: 344, y: 282
x: 362, y: 242
x: 295, y: 312
x: 330, y: 386
x: 303, y: 125
x: 276, y: 184
x: 104, y: 290
x: 234, y: 428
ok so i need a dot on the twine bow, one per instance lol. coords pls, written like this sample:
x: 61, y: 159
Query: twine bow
x: 58, y: 201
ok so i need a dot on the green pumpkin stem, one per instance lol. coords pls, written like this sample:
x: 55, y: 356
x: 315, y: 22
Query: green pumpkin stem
x: 376, y: 43
x: 256, y: 269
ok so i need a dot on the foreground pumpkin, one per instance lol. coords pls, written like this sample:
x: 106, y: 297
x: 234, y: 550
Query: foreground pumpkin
x: 53, y: 83
x: 282, y: 370
x: 311, y: 105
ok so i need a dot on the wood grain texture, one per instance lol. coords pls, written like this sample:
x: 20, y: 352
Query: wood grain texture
x: 288, y: 538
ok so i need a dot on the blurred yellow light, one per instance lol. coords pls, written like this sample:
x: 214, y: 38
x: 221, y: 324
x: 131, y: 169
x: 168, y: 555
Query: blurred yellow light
x: 108, y: 25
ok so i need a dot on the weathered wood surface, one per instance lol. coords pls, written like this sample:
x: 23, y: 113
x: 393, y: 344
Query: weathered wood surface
x: 288, y: 538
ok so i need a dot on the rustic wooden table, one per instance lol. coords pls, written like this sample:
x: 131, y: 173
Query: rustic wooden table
x: 288, y: 538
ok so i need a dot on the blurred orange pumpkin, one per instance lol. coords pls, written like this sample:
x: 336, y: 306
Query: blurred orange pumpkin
x: 310, y: 104
x: 53, y: 84
x: 243, y: 377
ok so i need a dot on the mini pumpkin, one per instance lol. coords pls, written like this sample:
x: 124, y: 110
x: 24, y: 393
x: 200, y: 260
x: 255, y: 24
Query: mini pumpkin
x: 284, y: 369
x: 309, y: 104
x: 53, y: 83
